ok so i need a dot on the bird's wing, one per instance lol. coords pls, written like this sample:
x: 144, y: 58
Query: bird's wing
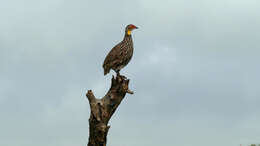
x: 112, y: 56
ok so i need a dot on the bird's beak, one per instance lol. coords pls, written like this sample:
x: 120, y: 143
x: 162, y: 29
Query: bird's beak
x: 136, y: 27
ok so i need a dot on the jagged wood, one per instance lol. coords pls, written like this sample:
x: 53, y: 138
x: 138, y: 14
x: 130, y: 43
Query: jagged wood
x: 103, y: 109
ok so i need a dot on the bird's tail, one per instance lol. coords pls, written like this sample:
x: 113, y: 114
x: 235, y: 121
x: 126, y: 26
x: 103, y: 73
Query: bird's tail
x: 106, y: 70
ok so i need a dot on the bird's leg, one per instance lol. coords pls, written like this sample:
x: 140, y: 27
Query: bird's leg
x: 118, y: 73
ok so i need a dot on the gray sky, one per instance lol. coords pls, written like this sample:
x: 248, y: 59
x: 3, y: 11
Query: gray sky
x: 195, y: 71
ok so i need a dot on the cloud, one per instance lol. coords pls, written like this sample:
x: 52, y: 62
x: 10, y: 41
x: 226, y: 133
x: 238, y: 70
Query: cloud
x: 194, y: 71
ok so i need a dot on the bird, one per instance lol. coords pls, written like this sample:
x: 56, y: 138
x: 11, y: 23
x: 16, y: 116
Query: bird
x: 121, y: 54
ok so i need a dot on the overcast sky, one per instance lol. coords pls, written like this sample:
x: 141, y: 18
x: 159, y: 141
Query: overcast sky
x: 195, y: 71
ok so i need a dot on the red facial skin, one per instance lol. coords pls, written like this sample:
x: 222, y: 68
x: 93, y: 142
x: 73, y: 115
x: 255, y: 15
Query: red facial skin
x: 132, y: 26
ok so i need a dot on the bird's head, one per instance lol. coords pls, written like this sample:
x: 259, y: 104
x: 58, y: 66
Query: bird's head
x: 129, y: 28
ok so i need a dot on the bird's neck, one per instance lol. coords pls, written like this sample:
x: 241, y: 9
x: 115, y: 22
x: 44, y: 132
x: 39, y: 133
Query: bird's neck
x: 127, y: 36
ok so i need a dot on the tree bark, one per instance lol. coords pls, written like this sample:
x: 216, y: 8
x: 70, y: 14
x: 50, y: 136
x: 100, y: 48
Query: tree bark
x: 103, y: 109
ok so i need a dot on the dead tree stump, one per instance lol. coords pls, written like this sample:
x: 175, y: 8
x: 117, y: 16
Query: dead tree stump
x: 103, y: 109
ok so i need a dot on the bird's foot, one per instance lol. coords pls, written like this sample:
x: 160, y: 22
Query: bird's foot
x: 121, y: 76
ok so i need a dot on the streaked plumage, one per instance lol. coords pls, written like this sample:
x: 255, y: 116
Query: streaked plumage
x: 121, y: 54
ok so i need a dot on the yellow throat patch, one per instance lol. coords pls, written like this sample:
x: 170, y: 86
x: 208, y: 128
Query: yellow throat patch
x: 129, y: 32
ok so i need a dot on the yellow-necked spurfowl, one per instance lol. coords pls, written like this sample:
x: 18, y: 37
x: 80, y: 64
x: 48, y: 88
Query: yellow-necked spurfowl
x: 121, y: 54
